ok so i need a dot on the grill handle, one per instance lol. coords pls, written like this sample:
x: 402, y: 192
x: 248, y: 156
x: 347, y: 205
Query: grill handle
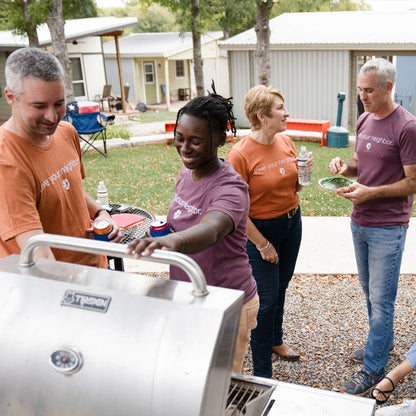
x: 187, y: 264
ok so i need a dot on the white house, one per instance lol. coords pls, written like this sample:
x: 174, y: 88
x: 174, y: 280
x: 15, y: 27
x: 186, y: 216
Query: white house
x: 160, y: 64
x: 85, y: 48
x: 314, y: 56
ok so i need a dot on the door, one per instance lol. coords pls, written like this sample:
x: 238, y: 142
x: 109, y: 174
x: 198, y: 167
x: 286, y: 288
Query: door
x: 149, y: 82
x: 78, y: 82
x: 405, y: 82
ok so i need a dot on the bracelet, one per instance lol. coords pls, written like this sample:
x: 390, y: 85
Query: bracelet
x: 262, y: 250
x: 101, y: 210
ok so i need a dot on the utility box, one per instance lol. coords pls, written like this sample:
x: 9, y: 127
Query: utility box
x: 338, y: 136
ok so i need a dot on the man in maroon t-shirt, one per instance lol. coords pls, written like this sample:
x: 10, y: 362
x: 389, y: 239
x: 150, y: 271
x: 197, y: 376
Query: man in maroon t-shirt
x: 385, y: 163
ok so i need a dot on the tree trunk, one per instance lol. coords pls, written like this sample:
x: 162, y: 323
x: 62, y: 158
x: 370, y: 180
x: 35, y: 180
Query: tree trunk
x: 31, y: 31
x: 197, y: 50
x: 262, y: 29
x: 56, y: 25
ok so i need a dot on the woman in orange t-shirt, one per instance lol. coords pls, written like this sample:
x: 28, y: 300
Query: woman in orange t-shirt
x: 267, y: 161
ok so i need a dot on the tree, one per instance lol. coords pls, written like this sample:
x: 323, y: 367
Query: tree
x: 150, y: 18
x: 155, y: 19
x: 24, y: 16
x: 56, y: 25
x: 79, y: 9
x: 262, y: 29
x: 238, y: 16
x: 197, y: 48
x: 190, y: 14
x: 299, y: 6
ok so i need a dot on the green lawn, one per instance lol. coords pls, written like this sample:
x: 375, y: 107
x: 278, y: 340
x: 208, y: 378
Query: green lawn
x: 145, y: 176
x: 152, y: 116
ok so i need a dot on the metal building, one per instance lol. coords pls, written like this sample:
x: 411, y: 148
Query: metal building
x: 314, y: 56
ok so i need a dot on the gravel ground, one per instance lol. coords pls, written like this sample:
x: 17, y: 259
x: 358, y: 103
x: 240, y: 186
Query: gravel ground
x: 326, y: 319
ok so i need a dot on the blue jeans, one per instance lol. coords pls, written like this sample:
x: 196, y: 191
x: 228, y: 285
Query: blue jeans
x: 411, y: 356
x: 378, y: 252
x: 272, y: 281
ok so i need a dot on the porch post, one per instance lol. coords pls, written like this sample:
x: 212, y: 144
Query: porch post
x: 167, y: 84
x: 120, y: 71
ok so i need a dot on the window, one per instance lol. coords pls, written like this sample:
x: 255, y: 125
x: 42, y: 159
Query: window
x: 180, y: 69
x: 149, y: 73
x: 77, y: 77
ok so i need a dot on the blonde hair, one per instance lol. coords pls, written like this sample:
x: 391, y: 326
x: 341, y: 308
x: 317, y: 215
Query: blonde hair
x: 260, y: 99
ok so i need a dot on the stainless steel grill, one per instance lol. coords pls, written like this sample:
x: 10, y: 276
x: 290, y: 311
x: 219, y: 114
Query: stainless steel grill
x: 248, y: 397
x: 82, y: 341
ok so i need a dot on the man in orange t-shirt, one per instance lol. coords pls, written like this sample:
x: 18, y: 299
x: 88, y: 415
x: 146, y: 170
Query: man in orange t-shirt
x: 41, y: 168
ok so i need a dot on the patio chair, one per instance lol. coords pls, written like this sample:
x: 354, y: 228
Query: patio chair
x: 106, y: 97
x: 91, y: 127
x: 116, y: 103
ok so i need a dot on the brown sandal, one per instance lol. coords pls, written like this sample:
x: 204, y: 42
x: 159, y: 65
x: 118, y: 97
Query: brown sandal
x: 385, y: 393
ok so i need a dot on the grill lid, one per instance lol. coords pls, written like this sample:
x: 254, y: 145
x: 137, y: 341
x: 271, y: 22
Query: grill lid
x: 87, y: 341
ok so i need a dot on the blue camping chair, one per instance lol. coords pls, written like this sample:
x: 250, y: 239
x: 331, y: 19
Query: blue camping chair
x: 90, y: 127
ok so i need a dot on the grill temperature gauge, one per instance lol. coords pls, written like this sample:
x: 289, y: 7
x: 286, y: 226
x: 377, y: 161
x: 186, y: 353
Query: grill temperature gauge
x: 66, y: 360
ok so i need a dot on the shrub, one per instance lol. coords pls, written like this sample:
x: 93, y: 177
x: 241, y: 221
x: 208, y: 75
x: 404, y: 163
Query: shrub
x: 117, y: 132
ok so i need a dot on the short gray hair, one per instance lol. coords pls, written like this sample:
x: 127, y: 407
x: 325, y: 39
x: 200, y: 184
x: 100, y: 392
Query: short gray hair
x: 33, y: 63
x: 385, y: 71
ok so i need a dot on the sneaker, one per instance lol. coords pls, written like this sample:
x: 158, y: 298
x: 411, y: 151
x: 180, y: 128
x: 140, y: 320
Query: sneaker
x: 358, y: 354
x: 407, y: 408
x: 361, y: 383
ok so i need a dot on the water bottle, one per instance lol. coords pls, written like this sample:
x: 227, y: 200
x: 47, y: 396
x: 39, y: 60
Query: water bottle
x: 304, y: 174
x: 102, y: 194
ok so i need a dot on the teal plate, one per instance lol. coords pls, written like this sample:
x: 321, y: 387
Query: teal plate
x: 334, y: 182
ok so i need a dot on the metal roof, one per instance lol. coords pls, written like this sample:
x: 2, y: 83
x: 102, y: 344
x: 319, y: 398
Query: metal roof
x: 164, y: 44
x: 74, y: 29
x: 9, y: 41
x: 335, y: 30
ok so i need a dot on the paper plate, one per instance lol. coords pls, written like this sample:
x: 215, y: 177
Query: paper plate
x: 335, y: 182
x: 126, y: 221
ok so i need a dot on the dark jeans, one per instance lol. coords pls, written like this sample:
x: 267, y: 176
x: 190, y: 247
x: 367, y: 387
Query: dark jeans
x: 272, y: 281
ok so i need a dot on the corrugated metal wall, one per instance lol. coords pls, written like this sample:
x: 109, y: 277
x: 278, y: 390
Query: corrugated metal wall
x: 309, y: 81
x: 241, y: 82
x: 111, y: 70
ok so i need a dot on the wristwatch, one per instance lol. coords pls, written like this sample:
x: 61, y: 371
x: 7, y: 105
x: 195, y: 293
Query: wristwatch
x: 100, y: 210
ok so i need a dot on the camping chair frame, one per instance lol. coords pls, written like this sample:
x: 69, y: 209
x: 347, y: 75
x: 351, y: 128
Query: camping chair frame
x: 91, y: 127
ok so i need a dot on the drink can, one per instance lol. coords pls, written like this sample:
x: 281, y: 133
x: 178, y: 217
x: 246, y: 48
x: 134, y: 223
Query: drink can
x: 101, y: 229
x: 159, y: 228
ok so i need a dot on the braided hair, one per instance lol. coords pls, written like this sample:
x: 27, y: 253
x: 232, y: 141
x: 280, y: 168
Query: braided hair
x: 214, y: 108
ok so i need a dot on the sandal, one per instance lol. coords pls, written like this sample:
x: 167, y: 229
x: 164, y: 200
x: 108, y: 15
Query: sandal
x: 385, y: 393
